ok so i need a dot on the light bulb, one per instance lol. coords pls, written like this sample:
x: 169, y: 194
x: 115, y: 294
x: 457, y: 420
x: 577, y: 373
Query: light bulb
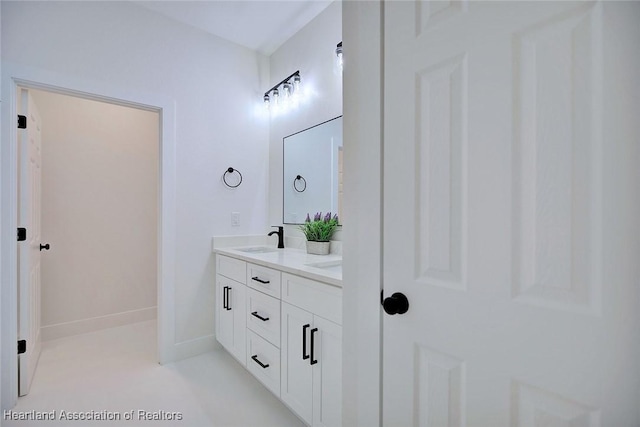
x: 266, y: 101
x: 296, y: 83
x: 339, y: 54
x: 276, y: 97
x: 286, y: 89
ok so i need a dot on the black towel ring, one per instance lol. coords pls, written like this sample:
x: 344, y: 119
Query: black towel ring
x: 304, y: 181
x: 224, y: 177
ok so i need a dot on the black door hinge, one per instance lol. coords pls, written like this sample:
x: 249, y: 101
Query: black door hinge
x: 22, y: 122
x: 22, y: 346
x: 22, y: 234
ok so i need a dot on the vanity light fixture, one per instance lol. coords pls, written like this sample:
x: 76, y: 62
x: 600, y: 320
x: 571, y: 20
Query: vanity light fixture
x: 272, y: 96
x: 339, y: 54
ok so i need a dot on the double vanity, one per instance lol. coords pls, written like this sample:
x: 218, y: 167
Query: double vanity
x: 279, y: 313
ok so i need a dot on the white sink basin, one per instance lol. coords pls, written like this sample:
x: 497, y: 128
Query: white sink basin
x: 257, y: 250
x: 335, y: 265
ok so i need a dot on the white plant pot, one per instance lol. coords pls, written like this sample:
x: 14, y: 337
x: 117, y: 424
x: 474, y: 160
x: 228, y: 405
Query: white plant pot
x: 318, y: 248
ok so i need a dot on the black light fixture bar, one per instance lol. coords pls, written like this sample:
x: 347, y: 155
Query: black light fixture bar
x: 297, y: 73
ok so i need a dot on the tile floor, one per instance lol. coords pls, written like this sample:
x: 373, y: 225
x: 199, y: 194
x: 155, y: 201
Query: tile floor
x: 116, y: 370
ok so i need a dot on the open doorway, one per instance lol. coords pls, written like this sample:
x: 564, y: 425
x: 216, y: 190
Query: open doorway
x: 97, y: 194
x: 16, y: 77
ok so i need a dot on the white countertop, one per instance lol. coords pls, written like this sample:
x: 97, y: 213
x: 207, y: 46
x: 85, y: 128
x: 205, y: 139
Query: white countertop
x: 294, y: 261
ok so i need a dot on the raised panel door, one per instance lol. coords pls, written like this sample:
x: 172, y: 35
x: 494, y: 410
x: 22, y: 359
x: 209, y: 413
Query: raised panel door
x: 509, y: 204
x: 29, y: 212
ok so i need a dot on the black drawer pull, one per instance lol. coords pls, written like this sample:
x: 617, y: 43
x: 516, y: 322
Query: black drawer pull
x: 255, y: 359
x: 255, y: 314
x: 228, y: 298
x: 313, y: 331
x: 257, y: 279
x: 305, y: 356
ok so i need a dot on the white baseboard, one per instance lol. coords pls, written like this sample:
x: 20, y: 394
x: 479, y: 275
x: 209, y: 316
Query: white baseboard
x: 61, y: 330
x: 195, y: 347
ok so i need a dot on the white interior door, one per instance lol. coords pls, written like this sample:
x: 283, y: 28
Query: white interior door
x: 30, y: 173
x: 511, y: 213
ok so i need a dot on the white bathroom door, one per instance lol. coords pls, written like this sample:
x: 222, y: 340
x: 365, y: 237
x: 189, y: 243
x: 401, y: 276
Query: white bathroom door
x: 30, y: 175
x: 511, y: 211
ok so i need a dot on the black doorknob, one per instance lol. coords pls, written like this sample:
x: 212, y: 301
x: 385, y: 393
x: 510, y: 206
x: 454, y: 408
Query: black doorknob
x: 45, y: 247
x: 396, y: 304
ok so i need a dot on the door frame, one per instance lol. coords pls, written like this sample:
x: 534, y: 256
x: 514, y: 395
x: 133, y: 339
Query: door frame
x: 15, y: 77
x: 363, y: 78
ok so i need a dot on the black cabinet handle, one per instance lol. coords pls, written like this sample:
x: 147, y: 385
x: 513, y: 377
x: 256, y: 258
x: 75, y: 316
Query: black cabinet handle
x: 228, y: 298
x: 313, y: 331
x: 257, y: 279
x: 224, y: 297
x: 255, y: 314
x: 305, y: 356
x: 45, y: 247
x: 255, y: 359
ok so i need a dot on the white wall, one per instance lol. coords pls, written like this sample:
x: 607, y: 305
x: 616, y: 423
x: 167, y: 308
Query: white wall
x: 99, y: 214
x: 215, y: 85
x: 312, y: 51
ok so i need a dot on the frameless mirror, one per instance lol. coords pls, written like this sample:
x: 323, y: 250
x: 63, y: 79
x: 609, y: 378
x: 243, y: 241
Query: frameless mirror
x: 312, y: 174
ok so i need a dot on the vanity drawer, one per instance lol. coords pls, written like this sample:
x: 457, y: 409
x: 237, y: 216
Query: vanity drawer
x: 264, y: 279
x: 263, y: 361
x: 319, y: 298
x: 232, y: 268
x: 259, y: 308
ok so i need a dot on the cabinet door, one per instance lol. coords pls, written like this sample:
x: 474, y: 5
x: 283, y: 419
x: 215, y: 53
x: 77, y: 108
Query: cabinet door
x: 296, y: 370
x: 224, y: 318
x: 231, y: 316
x: 327, y: 373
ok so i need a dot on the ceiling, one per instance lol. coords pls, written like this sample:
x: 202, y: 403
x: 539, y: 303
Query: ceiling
x: 261, y: 25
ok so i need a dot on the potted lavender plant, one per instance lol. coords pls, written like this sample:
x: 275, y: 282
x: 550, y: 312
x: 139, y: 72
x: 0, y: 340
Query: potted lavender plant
x: 319, y: 231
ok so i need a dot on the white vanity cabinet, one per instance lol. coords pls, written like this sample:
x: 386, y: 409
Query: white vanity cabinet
x: 290, y: 330
x: 311, y: 350
x: 231, y: 309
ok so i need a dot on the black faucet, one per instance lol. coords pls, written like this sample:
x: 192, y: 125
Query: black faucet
x: 280, y: 234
